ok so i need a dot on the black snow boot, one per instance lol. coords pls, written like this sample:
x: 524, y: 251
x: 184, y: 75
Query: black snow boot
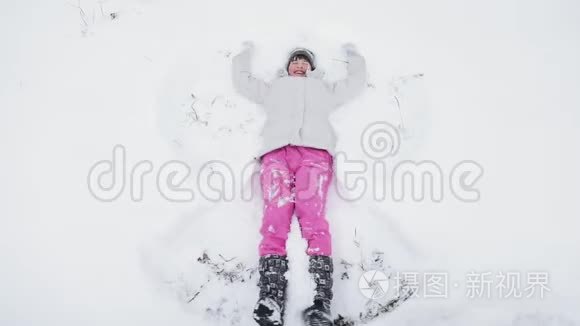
x: 269, y: 310
x: 318, y: 314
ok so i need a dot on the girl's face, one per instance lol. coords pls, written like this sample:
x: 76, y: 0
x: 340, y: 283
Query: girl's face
x: 298, y: 67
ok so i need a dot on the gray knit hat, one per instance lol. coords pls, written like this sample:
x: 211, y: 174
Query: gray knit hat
x: 298, y: 53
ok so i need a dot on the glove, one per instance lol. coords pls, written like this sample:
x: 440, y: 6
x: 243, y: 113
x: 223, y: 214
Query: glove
x: 349, y: 49
x: 248, y: 45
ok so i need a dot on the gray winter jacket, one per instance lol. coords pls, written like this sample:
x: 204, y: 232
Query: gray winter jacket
x: 297, y: 108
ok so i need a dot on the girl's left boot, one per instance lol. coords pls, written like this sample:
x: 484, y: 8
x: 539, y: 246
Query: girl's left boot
x: 318, y: 314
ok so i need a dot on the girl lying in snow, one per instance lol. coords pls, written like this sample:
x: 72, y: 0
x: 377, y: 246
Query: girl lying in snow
x: 296, y: 170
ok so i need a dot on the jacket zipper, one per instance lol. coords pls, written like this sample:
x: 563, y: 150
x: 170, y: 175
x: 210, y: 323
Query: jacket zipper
x: 303, y: 107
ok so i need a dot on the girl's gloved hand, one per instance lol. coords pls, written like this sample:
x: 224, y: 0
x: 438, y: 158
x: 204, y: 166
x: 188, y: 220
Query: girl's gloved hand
x: 349, y: 49
x: 248, y: 45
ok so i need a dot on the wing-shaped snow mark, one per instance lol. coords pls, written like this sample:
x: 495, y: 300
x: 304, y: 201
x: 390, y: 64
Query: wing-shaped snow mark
x: 412, y: 107
x: 227, y: 269
x: 198, y: 291
x: 90, y: 16
x: 395, y: 86
x: 192, y: 116
x: 375, y: 309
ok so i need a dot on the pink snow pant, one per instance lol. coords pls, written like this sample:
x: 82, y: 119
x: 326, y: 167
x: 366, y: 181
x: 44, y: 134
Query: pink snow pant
x: 295, y: 178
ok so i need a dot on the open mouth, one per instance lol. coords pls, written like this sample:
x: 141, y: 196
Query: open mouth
x: 299, y: 72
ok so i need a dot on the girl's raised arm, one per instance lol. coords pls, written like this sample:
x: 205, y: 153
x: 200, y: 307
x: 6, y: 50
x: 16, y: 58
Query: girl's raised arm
x: 244, y: 81
x: 356, y: 78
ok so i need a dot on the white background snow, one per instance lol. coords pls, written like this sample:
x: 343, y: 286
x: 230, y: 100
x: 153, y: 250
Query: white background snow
x: 499, y: 87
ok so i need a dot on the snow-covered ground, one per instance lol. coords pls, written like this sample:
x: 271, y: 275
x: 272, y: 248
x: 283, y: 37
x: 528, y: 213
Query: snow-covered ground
x: 494, y: 82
